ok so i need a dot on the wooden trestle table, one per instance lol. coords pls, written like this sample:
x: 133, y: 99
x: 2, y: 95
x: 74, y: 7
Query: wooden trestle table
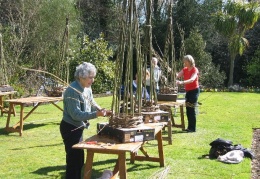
x: 168, y: 105
x: 106, y: 145
x: 22, y: 101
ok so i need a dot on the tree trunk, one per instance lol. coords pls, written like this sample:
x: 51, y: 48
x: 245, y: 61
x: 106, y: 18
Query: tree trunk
x: 231, y: 70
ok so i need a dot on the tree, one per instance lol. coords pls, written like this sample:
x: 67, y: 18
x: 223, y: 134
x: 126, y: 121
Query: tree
x: 233, y: 22
x: 32, y: 34
x: 210, y: 75
x: 98, y: 53
x: 100, y: 16
x: 253, y: 36
x: 3, y: 66
x: 253, y: 69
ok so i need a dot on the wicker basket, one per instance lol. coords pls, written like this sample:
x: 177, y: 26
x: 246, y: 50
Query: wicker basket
x: 55, y: 92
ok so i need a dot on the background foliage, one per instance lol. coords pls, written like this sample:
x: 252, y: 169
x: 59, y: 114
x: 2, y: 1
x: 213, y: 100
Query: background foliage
x: 35, y: 36
x: 98, y: 53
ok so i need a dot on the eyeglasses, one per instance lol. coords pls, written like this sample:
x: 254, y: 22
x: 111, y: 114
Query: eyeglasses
x: 89, y: 77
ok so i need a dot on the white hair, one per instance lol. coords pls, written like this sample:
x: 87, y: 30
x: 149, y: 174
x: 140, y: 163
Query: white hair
x: 84, y: 70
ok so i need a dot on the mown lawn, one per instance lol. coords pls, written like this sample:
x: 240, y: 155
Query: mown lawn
x: 39, y: 153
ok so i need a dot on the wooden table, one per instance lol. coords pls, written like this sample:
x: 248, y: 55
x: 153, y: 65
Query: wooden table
x: 153, y: 115
x: 105, y: 145
x: 167, y: 105
x: 2, y: 94
x: 22, y: 101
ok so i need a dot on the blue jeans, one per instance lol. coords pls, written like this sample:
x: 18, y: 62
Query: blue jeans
x: 191, y: 99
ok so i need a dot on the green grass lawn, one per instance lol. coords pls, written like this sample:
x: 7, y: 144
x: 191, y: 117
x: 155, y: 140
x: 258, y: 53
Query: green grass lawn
x: 39, y: 153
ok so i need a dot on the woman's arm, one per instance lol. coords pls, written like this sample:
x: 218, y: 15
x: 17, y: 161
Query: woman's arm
x: 193, y: 77
x: 180, y: 74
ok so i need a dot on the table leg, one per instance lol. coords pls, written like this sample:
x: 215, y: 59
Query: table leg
x: 13, y: 111
x: 9, y: 116
x: 182, y: 125
x: 88, y: 164
x: 57, y: 106
x: 122, y: 165
x: 169, y: 127
x: 1, y: 105
x: 132, y: 157
x: 116, y: 169
x: 21, y: 120
x: 171, y: 117
x: 182, y: 117
x: 160, y: 148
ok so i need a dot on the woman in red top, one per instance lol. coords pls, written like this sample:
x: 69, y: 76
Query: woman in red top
x: 190, y: 81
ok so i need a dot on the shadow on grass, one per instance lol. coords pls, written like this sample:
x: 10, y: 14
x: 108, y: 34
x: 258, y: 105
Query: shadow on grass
x: 165, y: 133
x: 141, y: 167
x: 28, y: 126
x: 134, y: 167
x: 31, y: 125
x: 46, y: 171
x: 39, y: 146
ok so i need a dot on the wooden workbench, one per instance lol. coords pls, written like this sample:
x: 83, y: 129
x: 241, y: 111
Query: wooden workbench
x: 2, y: 94
x: 105, y: 145
x: 167, y: 105
x: 22, y: 101
x: 156, y: 116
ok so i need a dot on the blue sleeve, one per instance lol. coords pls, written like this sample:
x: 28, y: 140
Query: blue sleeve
x: 74, y: 106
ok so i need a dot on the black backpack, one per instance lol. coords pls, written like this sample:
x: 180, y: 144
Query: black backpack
x: 219, y: 147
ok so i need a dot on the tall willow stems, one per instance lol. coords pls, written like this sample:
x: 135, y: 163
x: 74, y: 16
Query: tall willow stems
x: 129, y: 45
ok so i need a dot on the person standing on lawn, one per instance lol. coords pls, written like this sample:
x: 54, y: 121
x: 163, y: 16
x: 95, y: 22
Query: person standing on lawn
x: 156, y: 75
x: 79, y: 107
x: 190, y: 81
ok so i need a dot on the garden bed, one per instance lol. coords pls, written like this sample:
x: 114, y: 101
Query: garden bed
x: 256, y: 151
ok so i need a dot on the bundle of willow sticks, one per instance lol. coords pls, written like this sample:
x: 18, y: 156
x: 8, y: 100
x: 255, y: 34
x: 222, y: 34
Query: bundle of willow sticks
x: 125, y: 121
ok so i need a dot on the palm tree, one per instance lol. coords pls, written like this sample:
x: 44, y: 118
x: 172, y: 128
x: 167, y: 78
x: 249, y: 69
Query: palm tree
x: 232, y: 22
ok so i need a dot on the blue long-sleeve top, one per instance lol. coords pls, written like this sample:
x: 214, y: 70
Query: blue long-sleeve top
x: 79, y: 105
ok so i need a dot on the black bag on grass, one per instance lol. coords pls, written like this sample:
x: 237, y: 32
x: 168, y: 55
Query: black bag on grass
x: 219, y: 147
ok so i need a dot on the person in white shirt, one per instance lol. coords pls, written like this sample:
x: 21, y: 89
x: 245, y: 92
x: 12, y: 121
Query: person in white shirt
x: 156, y: 75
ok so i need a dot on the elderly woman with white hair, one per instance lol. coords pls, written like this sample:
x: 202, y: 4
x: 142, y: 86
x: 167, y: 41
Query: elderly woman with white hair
x: 156, y: 75
x: 79, y: 108
x: 190, y: 81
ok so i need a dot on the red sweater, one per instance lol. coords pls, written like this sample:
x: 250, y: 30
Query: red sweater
x: 187, y: 75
